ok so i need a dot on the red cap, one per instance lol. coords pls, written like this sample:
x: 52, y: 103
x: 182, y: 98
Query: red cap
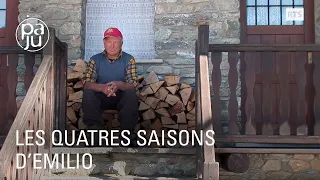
x: 114, y: 32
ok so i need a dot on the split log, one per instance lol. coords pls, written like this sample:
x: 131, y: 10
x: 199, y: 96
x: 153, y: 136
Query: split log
x: 185, y: 95
x: 156, y: 86
x: 81, y: 66
x: 149, y: 114
x: 152, y: 78
x: 172, y: 99
x: 237, y: 163
x: 161, y: 93
x: 173, y: 89
x: 184, y: 85
x: 143, y: 106
x: 172, y: 80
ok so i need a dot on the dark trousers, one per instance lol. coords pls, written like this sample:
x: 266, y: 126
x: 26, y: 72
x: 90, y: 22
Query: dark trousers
x: 94, y: 103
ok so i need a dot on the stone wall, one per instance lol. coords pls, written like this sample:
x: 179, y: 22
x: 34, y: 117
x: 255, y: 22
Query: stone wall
x: 279, y: 166
x: 176, y: 25
x: 66, y: 16
x: 181, y: 164
x: 63, y: 15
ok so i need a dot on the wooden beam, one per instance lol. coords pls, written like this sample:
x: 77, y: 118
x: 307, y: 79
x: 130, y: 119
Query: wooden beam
x: 15, y: 50
x: 264, y: 47
x: 265, y: 30
x: 203, y: 39
x: 274, y: 139
x: 267, y: 151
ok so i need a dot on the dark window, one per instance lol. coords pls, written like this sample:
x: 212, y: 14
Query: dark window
x: 271, y: 12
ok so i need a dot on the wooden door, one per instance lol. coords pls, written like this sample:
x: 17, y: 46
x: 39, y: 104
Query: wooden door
x: 8, y: 63
x: 281, y: 102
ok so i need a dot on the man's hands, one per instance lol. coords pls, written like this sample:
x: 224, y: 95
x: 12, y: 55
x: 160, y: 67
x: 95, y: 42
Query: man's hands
x: 111, y: 88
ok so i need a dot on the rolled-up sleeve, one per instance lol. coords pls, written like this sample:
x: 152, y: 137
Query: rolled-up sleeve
x: 90, y: 75
x: 131, y: 72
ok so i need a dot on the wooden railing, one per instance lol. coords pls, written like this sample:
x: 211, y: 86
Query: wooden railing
x: 41, y: 108
x: 36, y: 113
x: 12, y: 58
x: 280, y: 109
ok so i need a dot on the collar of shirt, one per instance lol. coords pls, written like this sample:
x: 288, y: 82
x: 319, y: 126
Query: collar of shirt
x: 111, y: 60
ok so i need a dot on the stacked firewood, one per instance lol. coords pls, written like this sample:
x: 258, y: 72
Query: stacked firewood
x: 164, y: 104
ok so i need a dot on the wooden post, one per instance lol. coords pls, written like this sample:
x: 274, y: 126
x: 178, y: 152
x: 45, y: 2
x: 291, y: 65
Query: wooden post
x: 210, y: 166
x: 51, y: 51
x: 199, y: 148
x: 63, y: 88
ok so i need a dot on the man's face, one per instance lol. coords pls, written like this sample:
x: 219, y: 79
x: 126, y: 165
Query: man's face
x: 112, y: 45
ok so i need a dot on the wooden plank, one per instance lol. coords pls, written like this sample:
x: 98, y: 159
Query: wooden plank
x: 284, y: 29
x: 29, y: 61
x: 203, y: 39
x: 316, y: 82
x: 233, y: 82
x: 12, y: 79
x: 301, y: 106
x: 3, y: 93
x: 199, y: 148
x: 283, y: 60
x: 250, y: 60
x: 275, y: 78
x: 206, y: 113
x: 257, y: 95
x: 268, y: 69
x: 274, y: 139
x: 293, y: 117
x: 298, y: 101
x: 63, y: 83
x: 14, y: 50
x: 211, y: 170
x: 267, y: 151
x: 309, y: 23
x: 216, y: 59
x: 258, y: 47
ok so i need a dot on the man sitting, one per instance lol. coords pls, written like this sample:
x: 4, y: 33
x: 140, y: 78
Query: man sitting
x: 109, y: 83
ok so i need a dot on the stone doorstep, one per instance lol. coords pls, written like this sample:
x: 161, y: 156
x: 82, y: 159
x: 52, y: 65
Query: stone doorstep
x: 138, y: 150
x: 113, y: 177
x: 104, y: 164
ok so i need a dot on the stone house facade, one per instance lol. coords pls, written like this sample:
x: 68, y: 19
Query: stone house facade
x: 176, y: 23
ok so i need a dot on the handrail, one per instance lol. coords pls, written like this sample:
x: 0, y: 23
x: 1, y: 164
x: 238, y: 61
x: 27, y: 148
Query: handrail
x: 36, y: 108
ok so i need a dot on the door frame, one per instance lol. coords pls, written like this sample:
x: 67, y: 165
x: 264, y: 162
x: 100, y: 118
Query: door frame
x: 309, y: 24
x: 7, y: 34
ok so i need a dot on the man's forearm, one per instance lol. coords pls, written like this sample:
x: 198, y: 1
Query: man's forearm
x: 94, y: 86
x: 123, y: 86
